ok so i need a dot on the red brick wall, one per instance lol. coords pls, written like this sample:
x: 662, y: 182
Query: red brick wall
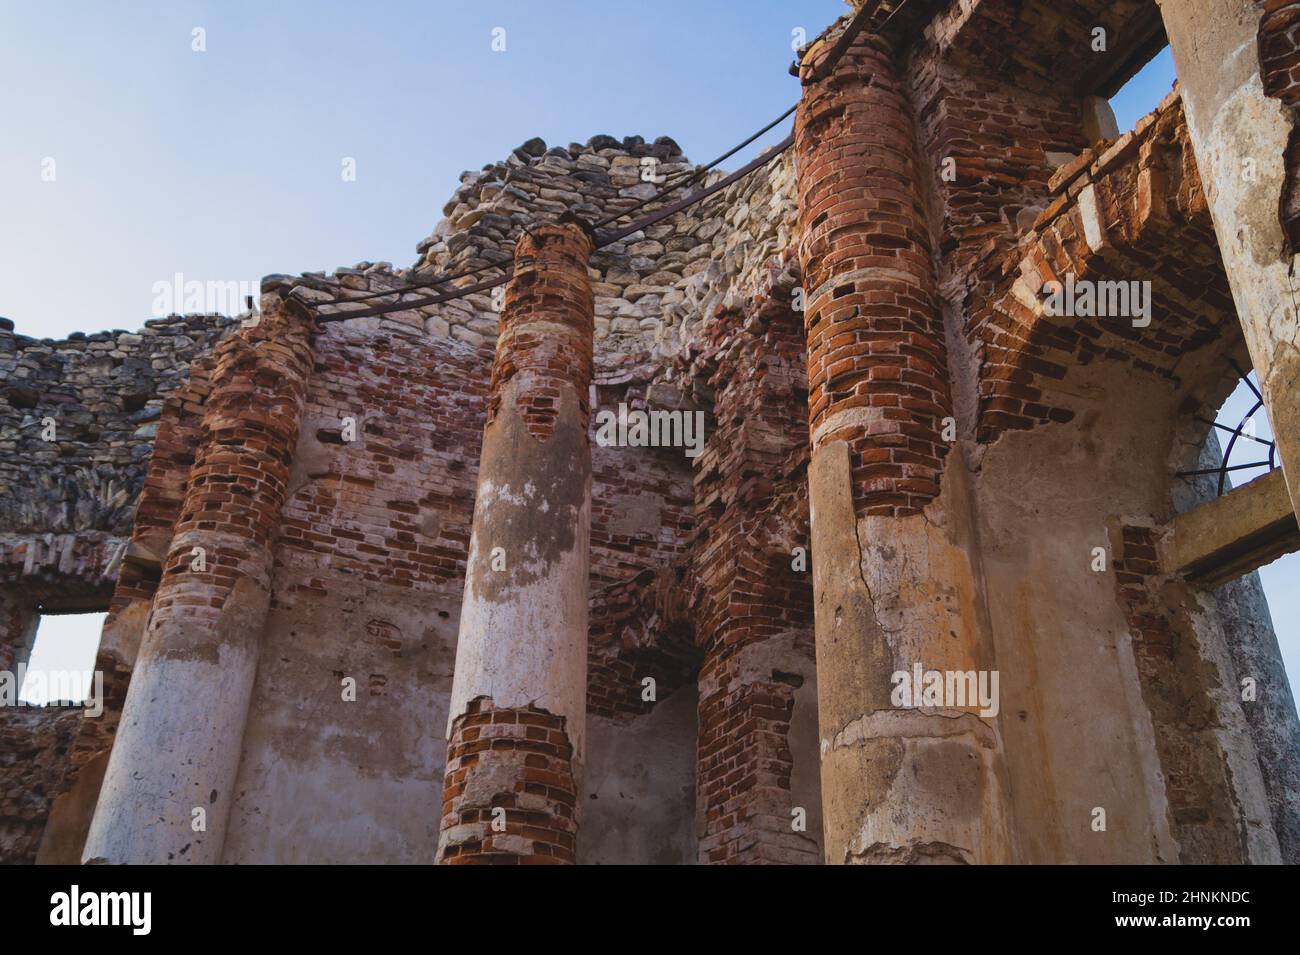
x: 997, y: 134
x: 395, y: 506
x: 239, y: 481
x: 1157, y: 228
x: 164, y: 486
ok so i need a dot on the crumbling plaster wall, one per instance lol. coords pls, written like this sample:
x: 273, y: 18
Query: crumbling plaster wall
x: 370, y: 563
x: 1081, y: 726
x: 377, y: 530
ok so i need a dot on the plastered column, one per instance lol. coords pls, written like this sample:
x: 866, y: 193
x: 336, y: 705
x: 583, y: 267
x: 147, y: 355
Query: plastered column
x: 895, y: 584
x: 518, y: 704
x: 168, y: 787
x: 1240, y: 135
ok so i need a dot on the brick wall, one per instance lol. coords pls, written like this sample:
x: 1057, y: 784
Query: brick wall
x: 989, y: 144
x: 529, y: 746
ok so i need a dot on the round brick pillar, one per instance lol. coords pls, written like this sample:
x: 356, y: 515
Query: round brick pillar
x: 518, y: 704
x: 169, y: 783
x: 894, y: 579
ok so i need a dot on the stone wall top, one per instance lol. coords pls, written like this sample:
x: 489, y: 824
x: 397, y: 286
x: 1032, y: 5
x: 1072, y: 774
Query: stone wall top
x: 78, y: 415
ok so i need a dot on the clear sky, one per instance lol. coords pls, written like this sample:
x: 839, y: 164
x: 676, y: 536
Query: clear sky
x: 225, y: 164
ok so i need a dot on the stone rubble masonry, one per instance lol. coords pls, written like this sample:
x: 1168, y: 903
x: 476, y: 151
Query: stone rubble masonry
x: 517, y: 717
x: 105, y: 392
x: 179, y: 741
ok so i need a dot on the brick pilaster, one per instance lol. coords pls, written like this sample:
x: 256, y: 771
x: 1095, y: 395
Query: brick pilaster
x: 754, y: 618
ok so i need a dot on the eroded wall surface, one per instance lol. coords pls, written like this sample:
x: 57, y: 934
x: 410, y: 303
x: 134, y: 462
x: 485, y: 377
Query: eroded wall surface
x: 1041, y: 515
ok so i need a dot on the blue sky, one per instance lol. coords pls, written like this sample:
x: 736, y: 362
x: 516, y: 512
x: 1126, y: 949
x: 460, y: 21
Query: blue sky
x: 225, y: 164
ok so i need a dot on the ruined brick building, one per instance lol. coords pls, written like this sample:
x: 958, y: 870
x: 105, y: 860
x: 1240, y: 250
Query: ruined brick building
x: 566, y: 649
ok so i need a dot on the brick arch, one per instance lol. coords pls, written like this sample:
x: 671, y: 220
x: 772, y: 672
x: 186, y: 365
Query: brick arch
x: 1136, y: 212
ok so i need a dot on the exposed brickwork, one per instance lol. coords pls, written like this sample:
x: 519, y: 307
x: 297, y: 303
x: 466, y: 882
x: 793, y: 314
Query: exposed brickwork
x: 1045, y: 46
x: 640, y: 627
x: 530, y: 747
x: 641, y: 506
x: 989, y: 142
x: 407, y: 482
x: 752, y: 512
x: 1151, y: 214
x: 875, y: 340
x: 239, y: 480
x: 527, y: 761
x: 691, y: 575
x: 545, y: 337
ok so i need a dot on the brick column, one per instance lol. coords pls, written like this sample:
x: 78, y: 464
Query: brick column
x: 518, y: 703
x: 178, y: 744
x: 894, y: 582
